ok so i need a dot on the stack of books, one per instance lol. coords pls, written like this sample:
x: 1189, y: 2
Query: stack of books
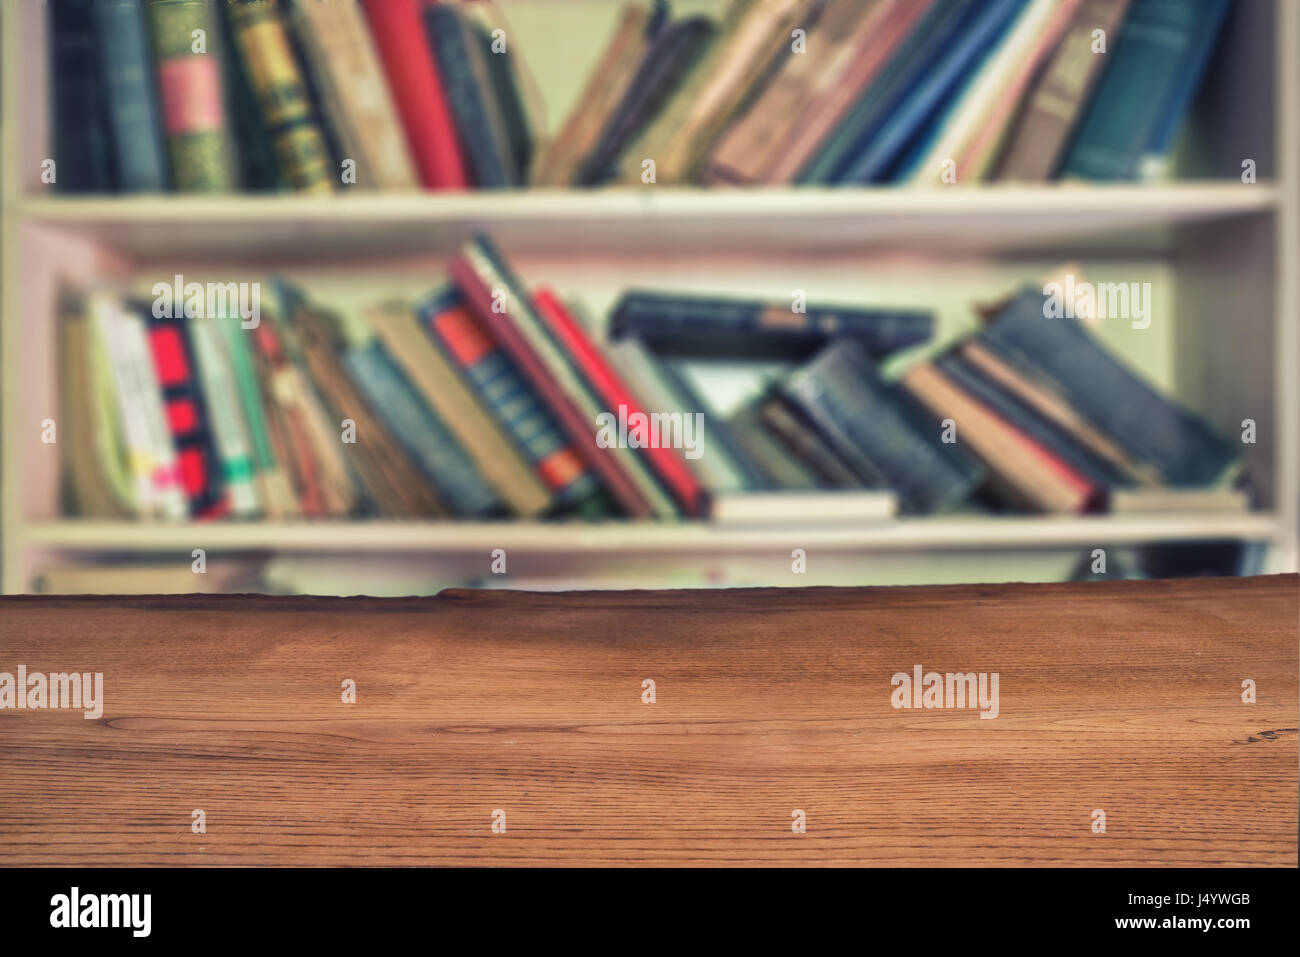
x: 489, y: 399
x: 321, y: 95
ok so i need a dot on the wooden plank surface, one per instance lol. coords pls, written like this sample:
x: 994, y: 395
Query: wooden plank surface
x: 1122, y: 697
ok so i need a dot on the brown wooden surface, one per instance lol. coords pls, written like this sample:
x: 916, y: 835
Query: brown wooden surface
x: 1124, y: 697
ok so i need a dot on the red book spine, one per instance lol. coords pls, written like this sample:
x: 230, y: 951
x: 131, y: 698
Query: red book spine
x: 421, y: 101
x: 613, y: 391
x: 479, y: 296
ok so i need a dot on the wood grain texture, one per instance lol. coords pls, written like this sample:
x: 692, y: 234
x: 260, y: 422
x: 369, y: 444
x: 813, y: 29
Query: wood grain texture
x: 1124, y: 697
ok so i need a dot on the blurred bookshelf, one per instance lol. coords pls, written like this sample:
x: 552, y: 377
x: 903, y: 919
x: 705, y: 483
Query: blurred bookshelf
x: 1222, y: 255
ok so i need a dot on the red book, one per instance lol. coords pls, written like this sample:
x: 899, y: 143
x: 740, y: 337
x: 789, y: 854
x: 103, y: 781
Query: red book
x: 477, y: 288
x: 667, y: 463
x: 421, y: 101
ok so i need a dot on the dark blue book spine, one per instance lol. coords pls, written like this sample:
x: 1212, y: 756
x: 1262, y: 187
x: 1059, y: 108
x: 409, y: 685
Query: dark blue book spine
x: 1189, y: 79
x: 943, y: 79
x: 82, y: 152
x: 131, y: 95
x: 699, y: 326
x: 1146, y: 425
x: 878, y: 433
x: 450, y: 42
x: 419, y: 431
x: 1154, y: 58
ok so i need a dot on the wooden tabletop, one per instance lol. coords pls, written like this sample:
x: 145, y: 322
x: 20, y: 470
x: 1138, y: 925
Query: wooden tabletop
x: 478, y: 707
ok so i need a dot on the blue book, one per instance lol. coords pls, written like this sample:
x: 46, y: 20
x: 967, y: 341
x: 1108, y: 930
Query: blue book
x: 82, y: 150
x: 131, y: 96
x: 420, y: 432
x: 942, y: 79
x: 1145, y: 91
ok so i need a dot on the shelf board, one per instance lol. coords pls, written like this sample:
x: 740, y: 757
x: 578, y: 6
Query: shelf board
x: 655, y: 220
x: 380, y: 537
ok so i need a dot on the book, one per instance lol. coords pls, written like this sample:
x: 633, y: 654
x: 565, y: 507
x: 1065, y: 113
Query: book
x: 172, y: 347
x: 392, y: 484
x: 872, y: 48
x: 990, y: 85
x: 513, y: 403
x: 468, y: 88
x: 715, y: 326
x: 837, y: 508
x: 288, y: 114
x: 1154, y: 68
x: 756, y: 33
x: 131, y: 96
x: 890, y: 132
x: 674, y: 54
x: 807, y: 446
x: 519, y: 105
x: 600, y: 95
x: 275, y: 490
x: 501, y: 302
x: 780, y: 466
x: 666, y: 393
x: 229, y: 431
x: 1178, y: 501
x: 665, y: 461
x: 1030, y: 473
x: 192, y: 95
x: 1145, y: 425
x: 743, y: 153
x: 347, y: 75
x: 494, y: 454
x: 94, y: 472
x: 82, y: 149
x: 424, y: 436
x: 300, y: 428
x: 874, y: 430
x: 146, y: 434
x: 983, y: 148
x: 1053, y: 104
x: 417, y: 90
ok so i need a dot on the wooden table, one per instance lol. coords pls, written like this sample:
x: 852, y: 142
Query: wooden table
x: 1121, y: 697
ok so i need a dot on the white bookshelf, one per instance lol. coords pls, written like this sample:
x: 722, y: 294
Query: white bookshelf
x: 1223, y: 258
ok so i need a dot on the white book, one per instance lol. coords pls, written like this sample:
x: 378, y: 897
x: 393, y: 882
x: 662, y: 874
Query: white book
x: 226, y: 413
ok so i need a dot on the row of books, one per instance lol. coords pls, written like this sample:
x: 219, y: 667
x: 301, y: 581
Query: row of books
x: 317, y: 95
x: 304, y: 95
x: 488, y: 398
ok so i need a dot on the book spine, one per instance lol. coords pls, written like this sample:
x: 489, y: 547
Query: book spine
x: 1144, y: 69
x: 516, y: 407
x: 504, y: 81
x: 82, y: 152
x: 185, y: 34
x: 482, y: 277
x: 807, y: 447
x: 450, y: 42
x: 666, y: 463
x: 425, y: 438
x: 1055, y: 102
x: 870, y: 428
x: 132, y: 102
x: 282, y: 96
x: 342, y: 61
x: 187, y: 414
x: 782, y: 470
x: 221, y: 398
x: 700, y: 326
x: 493, y: 454
x: 287, y: 424
x: 417, y: 91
